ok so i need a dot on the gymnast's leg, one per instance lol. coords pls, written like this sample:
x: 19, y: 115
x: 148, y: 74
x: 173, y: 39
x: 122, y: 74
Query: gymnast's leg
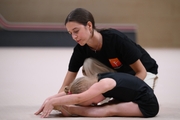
x: 127, y: 109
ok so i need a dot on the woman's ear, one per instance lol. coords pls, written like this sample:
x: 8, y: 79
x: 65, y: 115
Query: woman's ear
x: 89, y: 24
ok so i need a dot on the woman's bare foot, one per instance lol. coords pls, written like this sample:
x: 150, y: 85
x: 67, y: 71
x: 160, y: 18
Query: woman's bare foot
x: 64, y: 110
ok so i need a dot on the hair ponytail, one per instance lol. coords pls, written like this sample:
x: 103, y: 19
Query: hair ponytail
x: 66, y: 90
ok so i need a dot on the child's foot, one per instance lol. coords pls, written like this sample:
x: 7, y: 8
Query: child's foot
x: 63, y: 111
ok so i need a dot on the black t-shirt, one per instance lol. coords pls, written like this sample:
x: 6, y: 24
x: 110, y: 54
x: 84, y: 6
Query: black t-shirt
x: 128, y: 88
x: 117, y: 52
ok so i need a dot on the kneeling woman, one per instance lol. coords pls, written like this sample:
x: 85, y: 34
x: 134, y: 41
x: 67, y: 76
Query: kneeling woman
x: 133, y: 97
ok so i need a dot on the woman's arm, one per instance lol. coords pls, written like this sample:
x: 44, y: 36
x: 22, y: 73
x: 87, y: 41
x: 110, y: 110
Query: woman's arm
x: 70, y: 76
x: 139, y: 69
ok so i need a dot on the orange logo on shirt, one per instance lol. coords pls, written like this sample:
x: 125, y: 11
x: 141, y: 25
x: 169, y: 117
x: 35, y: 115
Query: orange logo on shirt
x: 115, y: 63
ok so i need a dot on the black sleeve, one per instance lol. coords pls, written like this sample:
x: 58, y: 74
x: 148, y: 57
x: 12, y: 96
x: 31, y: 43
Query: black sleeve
x: 129, y: 49
x: 131, y: 52
x: 77, y: 59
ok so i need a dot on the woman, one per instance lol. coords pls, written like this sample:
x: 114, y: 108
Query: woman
x: 109, y: 46
x: 134, y: 98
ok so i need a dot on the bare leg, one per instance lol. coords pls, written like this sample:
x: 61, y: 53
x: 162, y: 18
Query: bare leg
x: 128, y: 109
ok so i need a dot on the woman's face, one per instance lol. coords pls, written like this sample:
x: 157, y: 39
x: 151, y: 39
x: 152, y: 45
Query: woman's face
x: 80, y: 33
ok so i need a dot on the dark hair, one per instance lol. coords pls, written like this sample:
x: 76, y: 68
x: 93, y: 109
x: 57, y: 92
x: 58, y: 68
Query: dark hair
x: 81, y: 16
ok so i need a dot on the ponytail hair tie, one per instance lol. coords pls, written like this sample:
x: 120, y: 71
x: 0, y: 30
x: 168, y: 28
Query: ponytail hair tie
x: 66, y: 90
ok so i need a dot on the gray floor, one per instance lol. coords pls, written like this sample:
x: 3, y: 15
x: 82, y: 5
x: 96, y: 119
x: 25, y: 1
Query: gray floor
x: 29, y: 75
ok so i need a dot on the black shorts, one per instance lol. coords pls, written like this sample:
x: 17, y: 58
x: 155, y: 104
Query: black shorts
x: 149, y: 107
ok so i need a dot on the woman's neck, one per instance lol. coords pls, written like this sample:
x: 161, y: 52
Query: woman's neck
x: 95, y: 43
